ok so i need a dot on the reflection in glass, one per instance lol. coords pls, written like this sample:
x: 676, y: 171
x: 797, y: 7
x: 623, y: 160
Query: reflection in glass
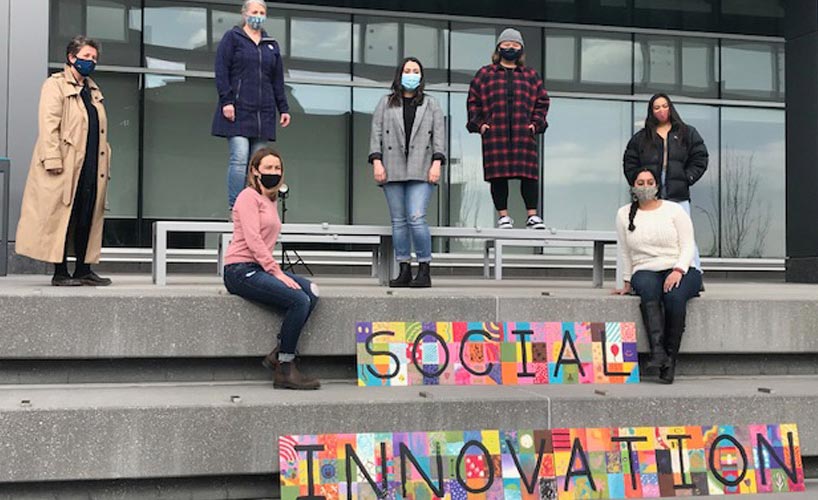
x: 751, y: 70
x: 176, y: 27
x: 603, y: 61
x: 107, y: 20
x: 752, y: 182
x: 369, y: 204
x: 704, y: 195
x: 315, y: 148
x: 473, y: 45
x: 185, y: 168
x: 116, y: 23
x: 584, y: 184
x: 380, y: 44
x: 320, y: 45
x: 681, y: 66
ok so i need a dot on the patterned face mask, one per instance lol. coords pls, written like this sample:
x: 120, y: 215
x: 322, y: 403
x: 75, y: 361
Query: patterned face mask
x: 645, y: 193
x: 256, y: 22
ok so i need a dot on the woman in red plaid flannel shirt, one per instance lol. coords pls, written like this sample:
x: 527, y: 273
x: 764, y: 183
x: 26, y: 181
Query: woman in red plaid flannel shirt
x: 507, y: 106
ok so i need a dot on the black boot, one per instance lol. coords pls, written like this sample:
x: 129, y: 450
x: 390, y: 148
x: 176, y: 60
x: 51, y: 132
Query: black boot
x: 404, y: 276
x: 654, y: 320
x: 675, y: 329
x: 423, y: 278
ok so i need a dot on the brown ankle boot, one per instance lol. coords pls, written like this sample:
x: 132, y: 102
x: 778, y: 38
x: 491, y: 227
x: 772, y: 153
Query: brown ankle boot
x: 287, y: 376
x: 270, y: 361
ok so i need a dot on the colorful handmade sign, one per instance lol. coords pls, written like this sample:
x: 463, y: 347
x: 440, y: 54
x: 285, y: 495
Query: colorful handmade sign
x: 636, y: 462
x: 510, y: 353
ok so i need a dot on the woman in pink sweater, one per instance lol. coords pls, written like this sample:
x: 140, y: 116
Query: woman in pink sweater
x: 251, y: 272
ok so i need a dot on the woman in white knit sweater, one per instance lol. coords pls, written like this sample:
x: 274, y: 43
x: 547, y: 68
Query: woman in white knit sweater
x: 657, y: 245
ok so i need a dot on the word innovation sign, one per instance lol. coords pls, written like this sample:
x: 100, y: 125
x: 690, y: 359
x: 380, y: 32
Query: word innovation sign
x: 634, y: 462
x: 510, y: 353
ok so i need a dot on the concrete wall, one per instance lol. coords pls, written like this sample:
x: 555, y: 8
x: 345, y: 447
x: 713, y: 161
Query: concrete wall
x: 23, y: 68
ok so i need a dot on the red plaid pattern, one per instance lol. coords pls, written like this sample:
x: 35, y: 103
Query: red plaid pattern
x: 509, y: 147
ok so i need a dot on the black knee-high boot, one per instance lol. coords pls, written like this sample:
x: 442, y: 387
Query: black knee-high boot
x: 675, y: 329
x: 654, y: 319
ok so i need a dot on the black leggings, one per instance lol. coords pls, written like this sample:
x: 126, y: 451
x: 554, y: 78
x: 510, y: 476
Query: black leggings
x: 529, y: 188
x: 79, y: 226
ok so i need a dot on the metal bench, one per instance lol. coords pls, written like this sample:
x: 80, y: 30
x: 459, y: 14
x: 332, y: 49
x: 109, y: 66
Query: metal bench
x: 386, y: 264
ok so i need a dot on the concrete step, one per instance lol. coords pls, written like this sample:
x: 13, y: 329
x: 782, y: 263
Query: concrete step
x: 199, y: 319
x: 93, y: 432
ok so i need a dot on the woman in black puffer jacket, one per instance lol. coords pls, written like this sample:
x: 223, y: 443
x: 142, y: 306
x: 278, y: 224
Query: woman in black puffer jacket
x: 671, y: 147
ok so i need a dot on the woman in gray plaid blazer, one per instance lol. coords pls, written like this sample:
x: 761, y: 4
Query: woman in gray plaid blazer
x: 407, y: 149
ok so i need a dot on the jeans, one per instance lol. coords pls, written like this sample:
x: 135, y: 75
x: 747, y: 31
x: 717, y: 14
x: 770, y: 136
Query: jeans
x: 697, y: 260
x: 249, y: 280
x: 241, y: 149
x: 649, y: 286
x: 407, y: 202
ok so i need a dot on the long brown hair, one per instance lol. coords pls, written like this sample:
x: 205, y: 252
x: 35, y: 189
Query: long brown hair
x: 255, y: 161
x: 396, y: 96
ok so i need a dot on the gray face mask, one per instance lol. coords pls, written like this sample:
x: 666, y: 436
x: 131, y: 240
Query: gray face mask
x: 645, y: 193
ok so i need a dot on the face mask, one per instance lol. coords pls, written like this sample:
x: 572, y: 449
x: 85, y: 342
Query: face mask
x: 84, y: 66
x: 510, y: 54
x: 256, y: 22
x: 644, y: 193
x: 410, y: 81
x: 269, y: 181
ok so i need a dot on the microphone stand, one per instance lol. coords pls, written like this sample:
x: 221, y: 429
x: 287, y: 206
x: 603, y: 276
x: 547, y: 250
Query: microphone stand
x: 288, y: 264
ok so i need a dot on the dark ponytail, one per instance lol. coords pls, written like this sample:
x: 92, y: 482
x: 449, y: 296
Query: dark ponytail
x: 632, y: 214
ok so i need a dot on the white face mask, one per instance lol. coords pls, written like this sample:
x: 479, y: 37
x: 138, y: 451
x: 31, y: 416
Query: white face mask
x: 645, y: 193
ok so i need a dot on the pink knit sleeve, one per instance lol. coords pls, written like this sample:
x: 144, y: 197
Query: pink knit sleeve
x: 248, y: 211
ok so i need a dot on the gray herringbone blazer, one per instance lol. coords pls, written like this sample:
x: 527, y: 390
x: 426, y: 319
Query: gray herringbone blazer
x: 388, y: 137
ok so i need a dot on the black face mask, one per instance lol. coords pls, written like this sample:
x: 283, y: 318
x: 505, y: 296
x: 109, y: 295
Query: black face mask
x: 270, y: 181
x: 510, y: 54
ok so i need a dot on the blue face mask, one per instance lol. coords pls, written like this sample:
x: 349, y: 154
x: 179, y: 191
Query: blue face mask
x: 256, y: 22
x: 410, y: 81
x: 84, y: 66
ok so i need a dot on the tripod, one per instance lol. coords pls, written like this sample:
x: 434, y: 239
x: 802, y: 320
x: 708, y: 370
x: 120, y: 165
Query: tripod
x: 287, y: 264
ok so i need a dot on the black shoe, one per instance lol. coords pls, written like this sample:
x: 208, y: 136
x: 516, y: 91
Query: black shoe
x: 423, y: 278
x: 654, y: 320
x: 64, y: 280
x: 668, y: 372
x: 404, y: 276
x: 93, y: 279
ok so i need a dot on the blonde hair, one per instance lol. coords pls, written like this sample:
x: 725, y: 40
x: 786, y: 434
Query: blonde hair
x: 255, y: 161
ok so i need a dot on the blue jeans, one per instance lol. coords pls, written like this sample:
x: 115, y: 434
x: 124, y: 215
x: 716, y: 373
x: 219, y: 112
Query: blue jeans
x: 649, y: 286
x: 407, y: 202
x: 241, y: 149
x: 249, y: 280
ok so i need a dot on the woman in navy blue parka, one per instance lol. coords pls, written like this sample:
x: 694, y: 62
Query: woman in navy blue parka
x: 250, y: 81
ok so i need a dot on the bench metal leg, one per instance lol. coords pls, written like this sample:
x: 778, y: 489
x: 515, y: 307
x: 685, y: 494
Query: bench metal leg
x: 498, y: 261
x: 386, y: 260
x: 486, y: 258
x: 220, y: 257
x: 620, y: 281
x: 599, y: 255
x: 160, y: 256
x: 374, y: 269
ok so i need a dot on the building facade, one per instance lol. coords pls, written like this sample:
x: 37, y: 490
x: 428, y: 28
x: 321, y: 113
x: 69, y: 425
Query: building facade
x: 721, y: 60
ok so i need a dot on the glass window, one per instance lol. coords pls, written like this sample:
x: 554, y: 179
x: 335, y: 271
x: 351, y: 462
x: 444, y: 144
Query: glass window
x: 763, y: 17
x: 380, y: 44
x: 698, y: 15
x: 223, y: 20
x: 316, y: 164
x: 470, y: 203
x: 473, y: 46
x: 369, y: 204
x: 588, y: 61
x: 704, y: 195
x: 752, y: 70
x: 176, y: 37
x: 752, y: 182
x: 185, y: 168
x: 584, y: 183
x: 320, y: 45
x: 686, y: 66
x: 114, y: 23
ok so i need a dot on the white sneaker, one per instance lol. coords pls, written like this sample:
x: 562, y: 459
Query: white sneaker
x: 505, y: 222
x: 534, y: 222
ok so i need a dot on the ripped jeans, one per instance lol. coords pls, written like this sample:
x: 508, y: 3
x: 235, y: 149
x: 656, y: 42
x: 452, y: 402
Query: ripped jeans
x: 249, y: 280
x: 407, y: 202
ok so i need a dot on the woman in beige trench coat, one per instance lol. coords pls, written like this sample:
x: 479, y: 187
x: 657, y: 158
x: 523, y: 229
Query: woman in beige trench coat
x: 64, y: 198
